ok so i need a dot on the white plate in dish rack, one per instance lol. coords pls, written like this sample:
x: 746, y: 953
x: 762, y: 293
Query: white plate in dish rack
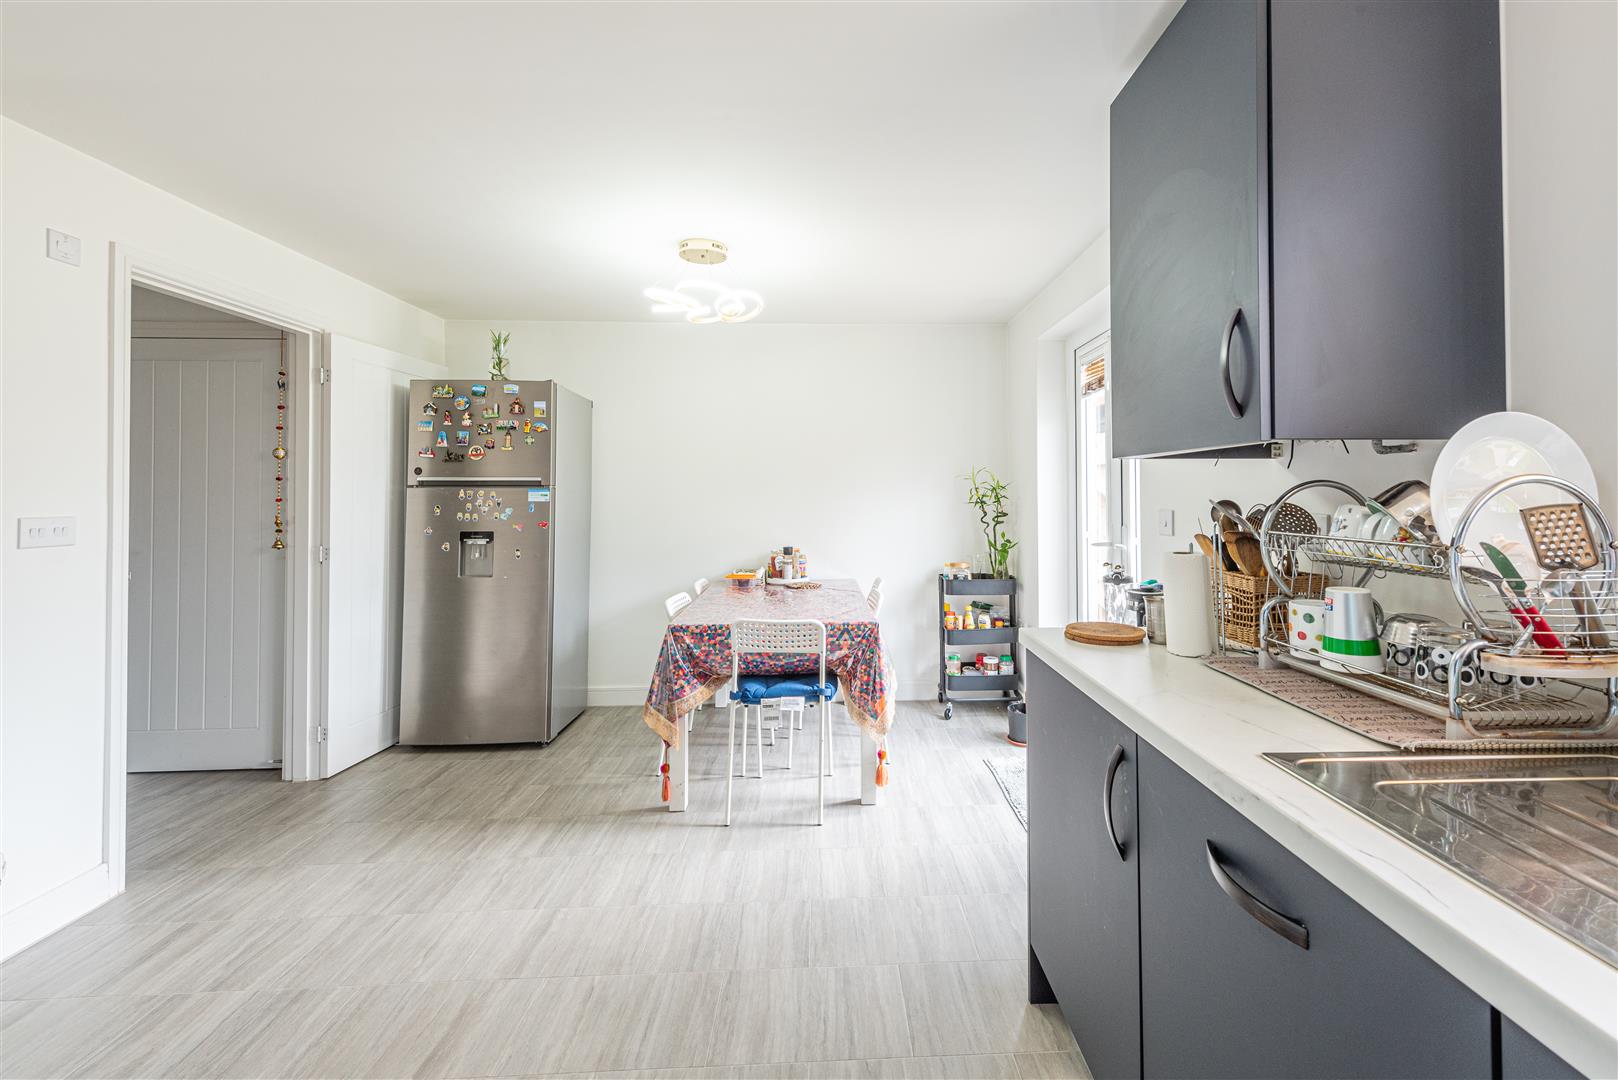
x: 1493, y: 448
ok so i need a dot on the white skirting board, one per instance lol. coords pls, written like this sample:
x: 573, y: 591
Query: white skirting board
x: 49, y: 912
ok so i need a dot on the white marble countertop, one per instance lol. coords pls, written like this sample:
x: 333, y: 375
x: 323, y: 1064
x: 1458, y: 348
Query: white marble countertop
x: 1215, y: 728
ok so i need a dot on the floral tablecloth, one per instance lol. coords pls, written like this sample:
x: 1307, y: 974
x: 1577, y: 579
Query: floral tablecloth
x: 694, y: 661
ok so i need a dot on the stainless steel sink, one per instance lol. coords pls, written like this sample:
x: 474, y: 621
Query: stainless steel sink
x: 1540, y: 831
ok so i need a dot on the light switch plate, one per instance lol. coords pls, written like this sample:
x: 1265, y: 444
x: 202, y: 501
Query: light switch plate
x: 1165, y: 523
x: 62, y: 247
x: 38, y: 532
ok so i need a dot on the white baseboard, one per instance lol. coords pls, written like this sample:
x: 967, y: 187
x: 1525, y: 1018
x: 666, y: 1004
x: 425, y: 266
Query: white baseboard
x: 48, y: 913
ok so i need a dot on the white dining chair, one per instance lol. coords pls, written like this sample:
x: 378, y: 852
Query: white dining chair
x: 677, y: 603
x: 796, y: 637
x: 700, y: 586
x: 874, y: 598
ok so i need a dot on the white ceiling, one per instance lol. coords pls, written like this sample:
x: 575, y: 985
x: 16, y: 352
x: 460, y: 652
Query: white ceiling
x: 875, y: 162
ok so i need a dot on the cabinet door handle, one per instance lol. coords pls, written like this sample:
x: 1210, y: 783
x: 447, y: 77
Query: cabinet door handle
x: 1113, y: 762
x: 1231, y: 401
x: 1291, y: 929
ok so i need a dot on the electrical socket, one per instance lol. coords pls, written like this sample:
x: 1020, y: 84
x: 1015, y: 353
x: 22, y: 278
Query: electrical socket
x: 1165, y: 523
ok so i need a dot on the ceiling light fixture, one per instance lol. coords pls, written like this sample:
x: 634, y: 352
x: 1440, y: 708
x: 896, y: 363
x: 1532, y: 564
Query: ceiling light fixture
x: 705, y: 301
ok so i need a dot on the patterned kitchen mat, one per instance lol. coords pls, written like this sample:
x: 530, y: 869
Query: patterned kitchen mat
x: 1372, y: 717
x: 1012, y: 776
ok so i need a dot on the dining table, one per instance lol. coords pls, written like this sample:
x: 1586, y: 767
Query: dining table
x: 694, y: 664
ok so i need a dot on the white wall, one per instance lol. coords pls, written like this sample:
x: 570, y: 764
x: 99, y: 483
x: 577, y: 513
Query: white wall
x: 714, y: 444
x: 1075, y: 303
x: 56, y: 462
x: 1560, y: 60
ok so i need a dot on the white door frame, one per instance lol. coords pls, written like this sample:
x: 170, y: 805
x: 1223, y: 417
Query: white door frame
x: 306, y: 516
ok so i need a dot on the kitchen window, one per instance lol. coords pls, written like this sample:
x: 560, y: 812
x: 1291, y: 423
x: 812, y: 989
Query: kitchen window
x: 1106, y: 525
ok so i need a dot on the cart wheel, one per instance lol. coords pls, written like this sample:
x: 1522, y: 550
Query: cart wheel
x: 941, y: 697
x: 949, y: 709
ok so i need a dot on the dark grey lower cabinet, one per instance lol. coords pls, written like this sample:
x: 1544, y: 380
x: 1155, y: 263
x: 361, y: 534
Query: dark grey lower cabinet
x: 1083, y: 861
x: 1253, y: 965
x: 1523, y: 1057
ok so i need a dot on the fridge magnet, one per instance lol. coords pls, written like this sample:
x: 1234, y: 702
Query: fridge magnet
x: 544, y: 524
x: 461, y: 403
x: 478, y: 389
x: 539, y: 408
x: 505, y: 515
x: 466, y: 419
x: 437, y: 510
x: 444, y: 546
x: 443, y: 390
x: 452, y: 456
x: 490, y: 412
x: 527, y: 426
x: 510, y: 388
x: 426, y: 452
x: 538, y: 495
x: 424, y: 425
x: 449, y: 418
x: 540, y: 425
x: 468, y: 508
x: 529, y: 439
x: 476, y: 453
x: 459, y: 516
x: 505, y: 443
x: 443, y: 438
x: 516, y: 553
x: 428, y: 531
x: 516, y: 408
x: 461, y: 494
x: 517, y: 525
x: 488, y: 444
x: 484, y: 429
x: 428, y: 408
x: 481, y: 493
x: 463, y: 438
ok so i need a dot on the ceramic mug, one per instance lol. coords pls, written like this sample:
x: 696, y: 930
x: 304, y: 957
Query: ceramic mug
x: 1348, y: 519
x: 1379, y: 526
x: 1306, y: 625
x: 1350, y: 642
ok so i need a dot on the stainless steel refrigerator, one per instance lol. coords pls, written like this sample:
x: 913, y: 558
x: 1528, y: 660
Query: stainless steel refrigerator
x: 497, y: 562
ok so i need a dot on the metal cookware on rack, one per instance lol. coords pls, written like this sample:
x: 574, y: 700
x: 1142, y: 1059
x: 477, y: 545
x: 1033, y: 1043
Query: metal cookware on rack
x: 1535, y: 657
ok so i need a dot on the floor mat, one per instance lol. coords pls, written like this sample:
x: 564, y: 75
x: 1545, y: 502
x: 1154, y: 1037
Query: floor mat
x: 1012, y: 776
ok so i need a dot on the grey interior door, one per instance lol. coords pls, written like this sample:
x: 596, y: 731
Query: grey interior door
x: 1316, y: 987
x: 1189, y: 232
x: 477, y: 616
x: 1083, y: 859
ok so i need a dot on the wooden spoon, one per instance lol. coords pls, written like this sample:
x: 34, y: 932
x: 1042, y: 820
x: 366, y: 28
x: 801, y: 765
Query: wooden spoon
x: 1205, y: 542
x: 1249, y: 555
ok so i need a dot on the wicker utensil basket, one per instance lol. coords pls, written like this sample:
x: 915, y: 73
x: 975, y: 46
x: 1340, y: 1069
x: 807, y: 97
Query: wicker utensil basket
x: 1241, y: 597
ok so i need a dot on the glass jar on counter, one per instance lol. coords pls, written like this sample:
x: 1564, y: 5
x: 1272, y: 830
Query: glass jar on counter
x: 989, y: 665
x: 1008, y: 666
x: 952, y: 664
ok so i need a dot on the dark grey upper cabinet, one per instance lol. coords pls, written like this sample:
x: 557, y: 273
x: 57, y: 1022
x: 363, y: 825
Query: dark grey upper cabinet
x: 1083, y: 869
x: 1523, y: 1057
x: 1189, y: 236
x: 1253, y: 965
x: 1306, y: 225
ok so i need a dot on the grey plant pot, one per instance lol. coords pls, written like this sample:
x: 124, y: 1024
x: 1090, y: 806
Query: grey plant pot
x: 1017, y: 723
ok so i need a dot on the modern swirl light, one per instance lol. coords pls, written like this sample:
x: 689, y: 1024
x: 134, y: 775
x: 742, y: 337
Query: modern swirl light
x: 704, y: 302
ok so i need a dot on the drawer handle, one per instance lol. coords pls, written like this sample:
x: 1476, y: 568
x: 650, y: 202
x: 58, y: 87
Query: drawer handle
x: 1113, y: 762
x: 1231, y: 401
x: 1294, y: 931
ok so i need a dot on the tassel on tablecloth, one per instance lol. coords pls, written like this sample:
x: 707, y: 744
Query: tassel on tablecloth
x: 664, y: 769
x: 881, y: 768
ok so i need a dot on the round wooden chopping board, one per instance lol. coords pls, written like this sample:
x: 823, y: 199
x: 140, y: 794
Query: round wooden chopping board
x: 1104, y: 633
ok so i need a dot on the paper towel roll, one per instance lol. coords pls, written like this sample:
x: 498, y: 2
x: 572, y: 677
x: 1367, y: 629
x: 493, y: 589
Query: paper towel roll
x: 1187, y: 607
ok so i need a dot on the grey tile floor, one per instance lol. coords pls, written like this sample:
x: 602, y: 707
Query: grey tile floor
x: 535, y: 912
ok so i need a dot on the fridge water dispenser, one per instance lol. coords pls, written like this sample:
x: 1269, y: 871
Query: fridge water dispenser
x: 477, y: 554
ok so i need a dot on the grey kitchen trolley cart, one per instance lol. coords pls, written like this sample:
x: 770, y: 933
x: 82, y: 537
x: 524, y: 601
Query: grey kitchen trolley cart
x: 953, y: 688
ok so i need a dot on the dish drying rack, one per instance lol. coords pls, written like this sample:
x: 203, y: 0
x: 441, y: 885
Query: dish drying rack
x: 1526, y: 691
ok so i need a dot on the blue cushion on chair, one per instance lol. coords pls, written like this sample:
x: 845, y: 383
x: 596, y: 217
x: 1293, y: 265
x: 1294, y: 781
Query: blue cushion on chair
x: 753, y: 689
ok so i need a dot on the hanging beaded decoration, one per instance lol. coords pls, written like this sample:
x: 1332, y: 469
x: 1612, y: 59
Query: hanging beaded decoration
x: 280, y: 451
